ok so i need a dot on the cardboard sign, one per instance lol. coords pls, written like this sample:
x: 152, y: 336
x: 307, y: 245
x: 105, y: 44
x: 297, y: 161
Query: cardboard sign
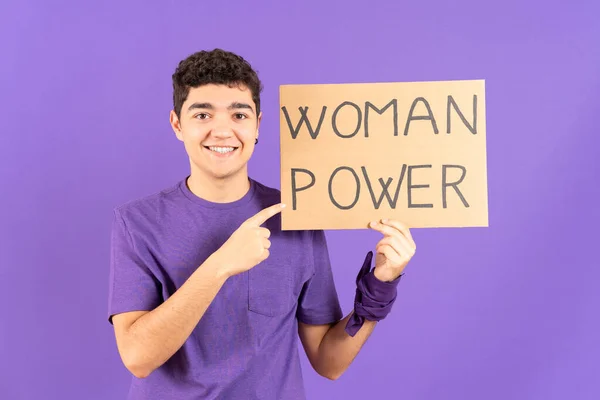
x: 353, y: 153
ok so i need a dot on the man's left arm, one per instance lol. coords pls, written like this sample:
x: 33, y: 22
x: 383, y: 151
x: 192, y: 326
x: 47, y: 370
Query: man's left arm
x: 332, y: 348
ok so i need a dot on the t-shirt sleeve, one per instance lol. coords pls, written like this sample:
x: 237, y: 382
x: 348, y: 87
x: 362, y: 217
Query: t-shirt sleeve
x: 319, y: 302
x: 132, y: 285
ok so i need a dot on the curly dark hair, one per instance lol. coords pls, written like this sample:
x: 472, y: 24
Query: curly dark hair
x: 214, y: 67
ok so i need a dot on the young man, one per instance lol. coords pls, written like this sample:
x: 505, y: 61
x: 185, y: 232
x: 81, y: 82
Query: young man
x: 207, y: 295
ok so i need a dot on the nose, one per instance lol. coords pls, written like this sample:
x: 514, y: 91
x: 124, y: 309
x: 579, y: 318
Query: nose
x: 221, y: 129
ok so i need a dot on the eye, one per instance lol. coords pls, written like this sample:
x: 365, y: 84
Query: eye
x: 201, y: 116
x: 240, y: 116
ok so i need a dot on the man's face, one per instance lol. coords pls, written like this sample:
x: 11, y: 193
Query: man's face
x: 218, y: 126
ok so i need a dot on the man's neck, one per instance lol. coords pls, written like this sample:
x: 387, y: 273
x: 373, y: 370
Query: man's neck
x: 225, y: 190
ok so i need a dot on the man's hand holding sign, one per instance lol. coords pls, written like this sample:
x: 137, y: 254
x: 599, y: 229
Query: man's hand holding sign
x: 394, y: 250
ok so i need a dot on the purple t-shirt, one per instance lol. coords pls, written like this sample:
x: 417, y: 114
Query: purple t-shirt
x: 246, y: 344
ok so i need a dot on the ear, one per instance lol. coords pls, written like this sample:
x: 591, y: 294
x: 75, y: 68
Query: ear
x: 175, y: 125
x: 258, y: 123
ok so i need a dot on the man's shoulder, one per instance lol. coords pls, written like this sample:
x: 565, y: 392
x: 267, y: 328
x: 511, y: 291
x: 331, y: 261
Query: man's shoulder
x: 266, y: 191
x: 149, y: 203
x: 266, y: 196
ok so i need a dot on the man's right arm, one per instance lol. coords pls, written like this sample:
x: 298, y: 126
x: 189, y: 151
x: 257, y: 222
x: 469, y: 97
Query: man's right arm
x: 147, y: 339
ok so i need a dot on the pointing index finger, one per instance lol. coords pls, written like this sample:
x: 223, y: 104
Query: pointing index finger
x: 262, y: 216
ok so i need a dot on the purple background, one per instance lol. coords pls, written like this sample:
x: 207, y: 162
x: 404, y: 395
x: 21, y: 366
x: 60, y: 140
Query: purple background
x: 506, y: 312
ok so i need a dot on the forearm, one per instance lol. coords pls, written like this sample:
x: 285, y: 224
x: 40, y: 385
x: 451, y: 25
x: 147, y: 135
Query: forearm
x: 375, y: 295
x: 338, y: 349
x: 153, y: 338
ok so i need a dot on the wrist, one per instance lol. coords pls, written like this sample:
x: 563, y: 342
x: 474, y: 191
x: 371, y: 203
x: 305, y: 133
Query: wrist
x: 216, y: 263
x: 379, y: 290
x: 385, y: 277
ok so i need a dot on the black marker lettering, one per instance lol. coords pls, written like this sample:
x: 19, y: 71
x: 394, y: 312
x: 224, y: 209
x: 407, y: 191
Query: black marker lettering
x: 295, y: 189
x: 330, y: 188
x: 453, y: 184
x: 393, y: 103
x: 384, y: 186
x: 410, y: 186
x: 304, y: 118
x: 429, y: 115
x: 334, y: 118
x: 472, y: 128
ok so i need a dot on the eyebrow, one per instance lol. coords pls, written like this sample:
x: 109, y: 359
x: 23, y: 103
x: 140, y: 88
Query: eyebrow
x: 233, y: 106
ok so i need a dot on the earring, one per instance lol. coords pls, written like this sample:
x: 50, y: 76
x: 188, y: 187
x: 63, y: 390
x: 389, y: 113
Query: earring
x: 256, y: 141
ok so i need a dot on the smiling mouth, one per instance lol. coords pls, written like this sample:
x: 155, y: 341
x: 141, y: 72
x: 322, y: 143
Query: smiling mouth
x: 221, y: 149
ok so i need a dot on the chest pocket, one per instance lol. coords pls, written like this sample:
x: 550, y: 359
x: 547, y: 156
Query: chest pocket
x: 270, y: 283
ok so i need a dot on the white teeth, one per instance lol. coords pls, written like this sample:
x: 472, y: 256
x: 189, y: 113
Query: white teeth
x: 221, y: 150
